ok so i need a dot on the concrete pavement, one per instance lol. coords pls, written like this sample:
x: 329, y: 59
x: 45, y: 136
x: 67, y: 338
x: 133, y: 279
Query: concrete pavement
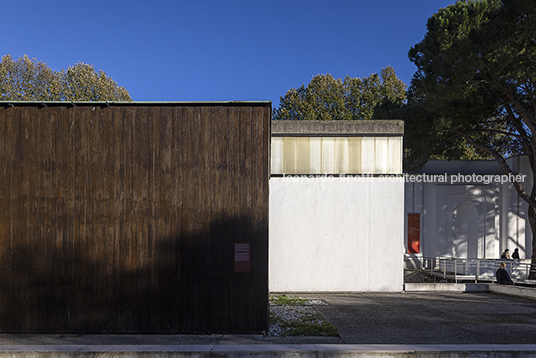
x: 430, y: 318
x: 419, y: 324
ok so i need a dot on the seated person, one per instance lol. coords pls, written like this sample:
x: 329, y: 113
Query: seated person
x: 503, y: 278
x: 505, y: 255
x: 515, y: 255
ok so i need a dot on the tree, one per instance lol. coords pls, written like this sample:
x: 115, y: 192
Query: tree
x: 474, y: 88
x: 327, y: 98
x: 30, y: 80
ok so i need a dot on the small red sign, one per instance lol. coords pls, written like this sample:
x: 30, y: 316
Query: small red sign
x: 414, y: 233
x: 242, y: 252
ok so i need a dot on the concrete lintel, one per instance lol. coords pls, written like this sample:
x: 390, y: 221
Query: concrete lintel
x: 355, y: 128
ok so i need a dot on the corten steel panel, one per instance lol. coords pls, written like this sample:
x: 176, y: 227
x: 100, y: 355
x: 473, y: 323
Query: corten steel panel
x: 123, y: 218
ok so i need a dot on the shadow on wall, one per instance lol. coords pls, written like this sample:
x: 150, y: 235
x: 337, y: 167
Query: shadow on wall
x: 466, y: 235
x: 178, y: 284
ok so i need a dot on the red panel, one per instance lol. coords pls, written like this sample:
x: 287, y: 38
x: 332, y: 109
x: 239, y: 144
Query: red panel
x: 414, y: 233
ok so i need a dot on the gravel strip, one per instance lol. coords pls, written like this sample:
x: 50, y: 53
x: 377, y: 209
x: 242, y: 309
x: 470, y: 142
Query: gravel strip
x: 294, y: 313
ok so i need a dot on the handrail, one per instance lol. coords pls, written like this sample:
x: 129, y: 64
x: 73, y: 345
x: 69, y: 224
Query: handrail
x: 472, y: 268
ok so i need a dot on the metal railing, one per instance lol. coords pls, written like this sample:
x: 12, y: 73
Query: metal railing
x: 462, y: 269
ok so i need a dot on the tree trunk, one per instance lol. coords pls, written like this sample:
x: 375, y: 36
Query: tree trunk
x: 532, y: 221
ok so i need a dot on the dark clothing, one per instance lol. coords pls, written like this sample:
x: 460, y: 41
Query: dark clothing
x: 515, y: 255
x: 503, y: 278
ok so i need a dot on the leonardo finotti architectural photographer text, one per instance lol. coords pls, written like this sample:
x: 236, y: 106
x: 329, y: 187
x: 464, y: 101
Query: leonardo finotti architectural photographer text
x: 420, y: 178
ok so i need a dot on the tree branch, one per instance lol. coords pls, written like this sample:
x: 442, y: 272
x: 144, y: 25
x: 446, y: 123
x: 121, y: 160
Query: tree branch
x: 530, y: 93
x: 500, y: 132
x: 529, y: 147
x: 523, y: 112
x: 502, y: 163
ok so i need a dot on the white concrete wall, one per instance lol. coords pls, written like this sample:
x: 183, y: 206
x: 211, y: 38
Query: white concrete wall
x: 501, y: 215
x: 336, y: 234
x: 459, y: 221
x: 518, y: 232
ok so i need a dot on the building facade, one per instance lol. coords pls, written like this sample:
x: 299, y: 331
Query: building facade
x: 336, y: 206
x: 134, y: 217
x: 467, y: 209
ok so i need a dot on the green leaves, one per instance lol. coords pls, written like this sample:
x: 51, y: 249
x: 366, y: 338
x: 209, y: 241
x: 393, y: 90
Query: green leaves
x: 327, y: 98
x: 475, y: 82
x: 82, y: 83
x: 27, y: 80
x: 30, y: 80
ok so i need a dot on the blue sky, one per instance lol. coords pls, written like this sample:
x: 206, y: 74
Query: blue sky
x: 210, y: 50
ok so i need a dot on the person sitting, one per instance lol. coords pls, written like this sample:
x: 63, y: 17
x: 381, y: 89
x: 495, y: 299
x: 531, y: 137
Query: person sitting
x: 503, y: 278
x: 505, y: 255
x: 515, y: 255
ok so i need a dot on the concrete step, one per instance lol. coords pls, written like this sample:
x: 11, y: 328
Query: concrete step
x: 446, y: 287
x: 514, y: 290
x: 299, y: 351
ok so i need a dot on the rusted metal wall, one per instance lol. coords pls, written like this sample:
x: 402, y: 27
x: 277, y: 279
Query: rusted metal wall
x: 124, y: 218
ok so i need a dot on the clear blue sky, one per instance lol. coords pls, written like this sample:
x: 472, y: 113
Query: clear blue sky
x: 218, y: 50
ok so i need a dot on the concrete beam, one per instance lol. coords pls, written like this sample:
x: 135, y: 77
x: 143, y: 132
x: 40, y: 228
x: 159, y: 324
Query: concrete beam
x: 361, y: 128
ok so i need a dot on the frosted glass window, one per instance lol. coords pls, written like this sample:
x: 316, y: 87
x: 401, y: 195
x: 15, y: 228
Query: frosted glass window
x: 315, y: 158
x: 354, y: 155
x: 395, y: 154
x: 336, y: 155
x: 302, y: 155
x: 367, y: 155
x: 380, y: 155
x: 277, y: 155
x: 289, y: 155
x: 341, y: 155
x: 328, y: 155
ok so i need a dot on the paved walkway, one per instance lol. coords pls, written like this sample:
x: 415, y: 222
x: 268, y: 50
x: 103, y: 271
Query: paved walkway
x: 430, y: 318
x: 370, y: 324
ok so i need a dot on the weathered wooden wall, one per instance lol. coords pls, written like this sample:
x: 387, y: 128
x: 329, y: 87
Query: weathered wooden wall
x: 124, y: 218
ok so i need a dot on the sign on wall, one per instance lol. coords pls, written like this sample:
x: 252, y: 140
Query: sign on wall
x: 242, y: 255
x: 414, y: 234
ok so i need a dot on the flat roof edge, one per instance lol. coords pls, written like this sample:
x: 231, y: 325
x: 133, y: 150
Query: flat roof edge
x: 302, y: 128
x: 133, y: 103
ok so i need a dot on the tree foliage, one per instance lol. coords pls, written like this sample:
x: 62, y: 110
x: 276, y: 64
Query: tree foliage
x: 474, y: 89
x: 327, y: 98
x: 30, y: 80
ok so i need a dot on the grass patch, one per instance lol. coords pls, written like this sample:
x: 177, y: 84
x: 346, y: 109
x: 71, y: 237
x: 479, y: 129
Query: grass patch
x: 282, y: 300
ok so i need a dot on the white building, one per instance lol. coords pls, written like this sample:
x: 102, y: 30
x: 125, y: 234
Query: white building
x: 336, y: 206
x: 473, y: 212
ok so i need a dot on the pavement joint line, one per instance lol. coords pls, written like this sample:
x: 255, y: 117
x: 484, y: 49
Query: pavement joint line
x: 323, y: 348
